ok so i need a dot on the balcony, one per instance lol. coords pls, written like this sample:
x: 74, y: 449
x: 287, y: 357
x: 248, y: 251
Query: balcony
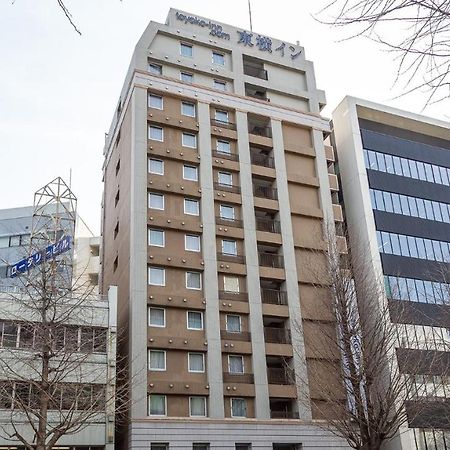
x: 254, y: 71
x: 229, y: 222
x: 227, y: 188
x: 271, y: 260
x: 229, y: 156
x: 231, y: 295
x: 268, y: 192
x: 277, y: 335
x: 261, y: 159
x: 228, y: 257
x: 233, y: 336
x: 273, y: 296
x: 258, y: 92
x: 238, y: 378
x: 279, y: 375
x: 282, y: 414
x: 259, y: 125
x: 223, y: 124
x: 268, y: 225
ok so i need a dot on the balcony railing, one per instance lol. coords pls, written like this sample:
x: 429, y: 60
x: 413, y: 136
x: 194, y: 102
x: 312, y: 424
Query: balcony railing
x: 222, y: 155
x: 255, y: 72
x: 223, y: 124
x: 227, y: 188
x: 260, y: 130
x: 238, y: 378
x: 257, y: 95
x: 228, y: 257
x: 273, y: 296
x: 230, y: 295
x: 268, y: 225
x: 259, y: 159
x: 284, y: 415
x: 277, y: 335
x: 231, y: 336
x: 229, y: 222
x: 265, y: 192
x: 279, y: 375
x: 271, y: 260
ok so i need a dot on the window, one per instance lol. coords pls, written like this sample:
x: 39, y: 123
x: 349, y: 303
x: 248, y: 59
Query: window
x: 221, y: 116
x: 189, y: 140
x: 192, y: 242
x: 156, y: 276
x: 4, y: 241
x: 156, y: 69
x: 200, y: 446
x: 223, y: 147
x: 188, y: 109
x: 193, y: 280
x: 155, y: 101
x: 156, y: 238
x: 187, y: 77
x: 229, y: 247
x: 226, y: 212
x: 155, y: 133
x: 156, y: 317
x: 233, y: 323
x: 235, y: 364
x: 194, y: 320
x: 186, y: 50
x: 222, y: 85
x: 231, y: 284
x: 196, y: 362
x: 157, y: 405
x: 155, y: 201
x: 156, y: 166
x: 238, y: 407
x: 218, y: 58
x: 197, y: 406
x: 225, y: 178
x: 10, y: 333
x: 157, y: 360
x: 243, y: 447
x: 14, y: 241
x: 191, y: 207
x: 190, y: 173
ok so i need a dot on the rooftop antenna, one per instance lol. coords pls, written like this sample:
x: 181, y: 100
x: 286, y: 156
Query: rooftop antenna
x: 250, y: 15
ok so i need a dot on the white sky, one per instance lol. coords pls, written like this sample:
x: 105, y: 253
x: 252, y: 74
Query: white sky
x: 58, y: 90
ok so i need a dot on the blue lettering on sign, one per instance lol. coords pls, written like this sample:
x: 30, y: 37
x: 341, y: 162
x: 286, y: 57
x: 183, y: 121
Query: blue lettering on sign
x: 52, y: 251
x: 215, y: 28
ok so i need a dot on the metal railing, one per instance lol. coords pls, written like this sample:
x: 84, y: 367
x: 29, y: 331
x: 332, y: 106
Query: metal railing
x: 231, y: 336
x: 223, y: 124
x: 230, y: 156
x: 260, y: 130
x: 273, y: 296
x: 277, y: 335
x: 259, y: 159
x: 230, y: 295
x: 268, y: 225
x: 279, y: 375
x: 227, y: 187
x: 255, y: 72
x: 238, y: 378
x: 284, y: 415
x: 228, y: 257
x: 229, y: 222
x: 265, y: 192
x: 271, y: 260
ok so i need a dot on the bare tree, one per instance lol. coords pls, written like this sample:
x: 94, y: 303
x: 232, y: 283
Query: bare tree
x: 416, y: 30
x: 369, y: 382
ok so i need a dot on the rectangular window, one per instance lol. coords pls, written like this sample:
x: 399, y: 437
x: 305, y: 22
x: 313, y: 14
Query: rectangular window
x: 190, y: 173
x: 156, y: 276
x: 155, y: 166
x: 156, y: 238
x: 225, y: 178
x: 155, y: 101
x: 196, y: 362
x: 235, y: 364
x: 233, y: 323
x: 189, y: 140
x: 196, y: 446
x: 243, y: 447
x: 155, y: 133
x: 194, y: 320
x: 193, y: 280
x: 14, y: 241
x: 231, y: 284
x: 156, y: 317
x: 157, y: 360
x: 229, y: 247
x: 156, y: 69
x: 197, y: 406
x: 155, y: 201
x: 191, y: 207
x: 221, y: 85
x: 226, y: 212
x: 187, y: 109
x: 10, y: 333
x: 4, y: 241
x: 187, y: 77
x: 218, y: 58
x: 157, y: 405
x: 223, y: 147
x: 221, y: 116
x: 192, y: 243
x: 238, y: 407
x: 186, y: 50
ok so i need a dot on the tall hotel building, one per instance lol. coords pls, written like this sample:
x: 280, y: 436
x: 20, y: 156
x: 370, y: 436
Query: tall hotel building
x: 216, y: 187
x: 395, y: 174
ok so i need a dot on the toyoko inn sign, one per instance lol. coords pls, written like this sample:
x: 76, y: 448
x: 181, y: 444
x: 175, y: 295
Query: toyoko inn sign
x: 216, y: 29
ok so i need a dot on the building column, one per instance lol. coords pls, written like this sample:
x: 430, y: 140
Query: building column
x: 210, y: 277
x: 262, y: 406
x: 290, y: 268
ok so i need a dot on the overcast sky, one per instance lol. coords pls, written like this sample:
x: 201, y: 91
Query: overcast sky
x: 58, y: 90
